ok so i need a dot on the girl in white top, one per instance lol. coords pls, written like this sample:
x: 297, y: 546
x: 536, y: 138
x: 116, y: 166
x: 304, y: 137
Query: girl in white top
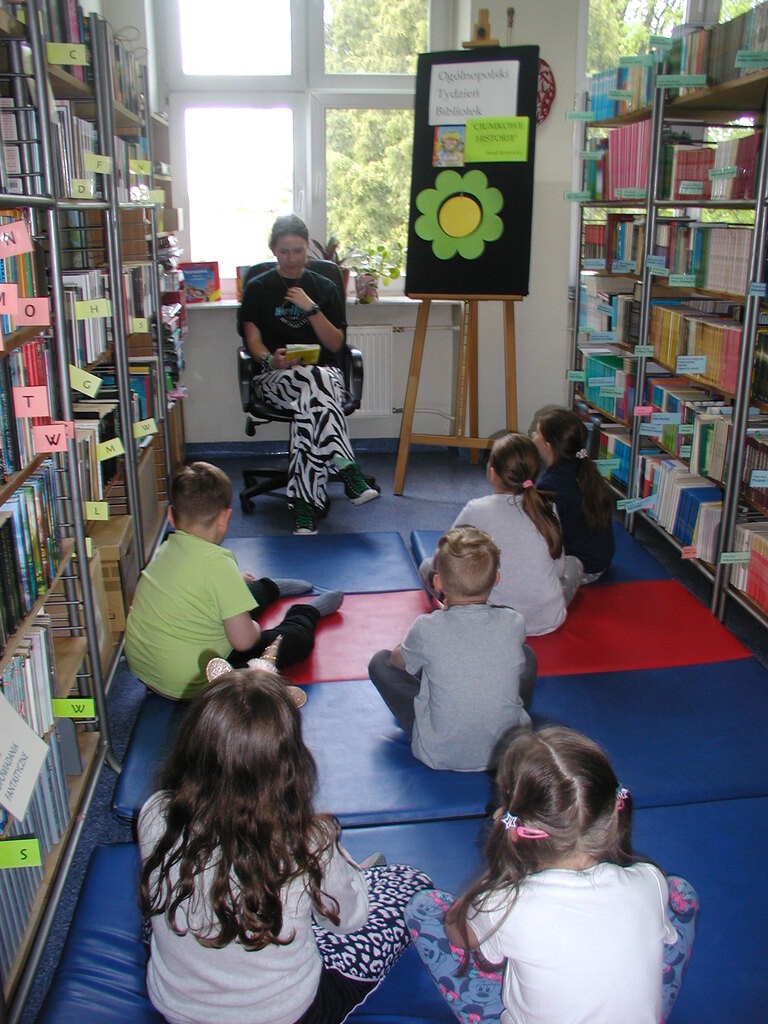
x: 565, y: 925
x: 537, y: 578
x: 236, y: 865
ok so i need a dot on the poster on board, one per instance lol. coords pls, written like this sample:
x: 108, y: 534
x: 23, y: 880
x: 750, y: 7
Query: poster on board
x: 469, y: 231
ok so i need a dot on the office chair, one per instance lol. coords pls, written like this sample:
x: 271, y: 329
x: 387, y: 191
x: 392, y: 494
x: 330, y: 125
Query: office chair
x: 269, y: 479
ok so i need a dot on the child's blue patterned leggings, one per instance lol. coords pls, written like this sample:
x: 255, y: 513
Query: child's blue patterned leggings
x: 475, y: 998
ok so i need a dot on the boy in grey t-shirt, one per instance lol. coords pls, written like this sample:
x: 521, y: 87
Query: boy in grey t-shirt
x: 463, y: 674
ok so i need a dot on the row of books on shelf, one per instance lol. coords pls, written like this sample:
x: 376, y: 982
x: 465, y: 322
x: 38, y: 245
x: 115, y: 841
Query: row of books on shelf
x: 29, y: 679
x: 20, y: 166
x: 715, y: 256
x: 710, y: 50
x: 751, y: 577
x: 722, y: 170
x: 30, y: 547
x: 681, y: 330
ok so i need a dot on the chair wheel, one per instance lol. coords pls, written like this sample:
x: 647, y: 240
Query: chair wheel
x: 246, y: 505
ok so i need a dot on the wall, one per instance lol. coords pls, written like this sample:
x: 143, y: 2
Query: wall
x: 541, y: 319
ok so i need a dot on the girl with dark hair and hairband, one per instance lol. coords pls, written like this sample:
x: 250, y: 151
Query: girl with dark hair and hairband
x: 582, y: 497
x: 565, y: 922
x: 537, y: 578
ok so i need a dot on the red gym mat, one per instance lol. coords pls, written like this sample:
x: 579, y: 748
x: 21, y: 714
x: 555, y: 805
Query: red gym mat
x: 346, y: 641
x: 642, y: 625
x: 611, y: 628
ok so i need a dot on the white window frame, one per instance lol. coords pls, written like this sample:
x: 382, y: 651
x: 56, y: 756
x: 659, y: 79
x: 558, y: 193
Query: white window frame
x: 309, y: 92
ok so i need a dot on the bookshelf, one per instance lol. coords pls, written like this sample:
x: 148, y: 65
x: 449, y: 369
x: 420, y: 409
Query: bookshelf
x: 50, y: 646
x: 76, y: 168
x: 675, y: 299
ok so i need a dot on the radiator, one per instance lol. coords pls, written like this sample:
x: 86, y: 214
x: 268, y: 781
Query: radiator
x: 376, y: 345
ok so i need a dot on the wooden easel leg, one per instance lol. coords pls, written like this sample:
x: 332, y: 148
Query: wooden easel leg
x: 510, y: 364
x: 411, y: 393
x: 460, y: 403
x: 472, y: 379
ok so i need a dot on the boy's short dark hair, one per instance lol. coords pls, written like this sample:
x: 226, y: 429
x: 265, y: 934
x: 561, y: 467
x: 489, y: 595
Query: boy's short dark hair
x: 467, y: 560
x: 199, y: 492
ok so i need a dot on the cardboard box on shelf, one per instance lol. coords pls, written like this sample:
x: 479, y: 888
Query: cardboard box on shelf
x: 119, y: 559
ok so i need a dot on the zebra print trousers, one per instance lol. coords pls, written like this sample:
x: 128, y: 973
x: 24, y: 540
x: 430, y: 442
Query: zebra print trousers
x: 314, y: 394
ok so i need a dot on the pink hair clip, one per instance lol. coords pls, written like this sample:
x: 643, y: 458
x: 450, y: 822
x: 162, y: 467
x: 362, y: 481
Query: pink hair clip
x: 509, y: 821
x: 527, y: 484
x: 621, y: 797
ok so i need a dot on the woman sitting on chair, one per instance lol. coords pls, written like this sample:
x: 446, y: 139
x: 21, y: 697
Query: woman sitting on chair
x: 292, y: 305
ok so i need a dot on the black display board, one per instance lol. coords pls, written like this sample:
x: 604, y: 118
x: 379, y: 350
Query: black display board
x: 469, y: 230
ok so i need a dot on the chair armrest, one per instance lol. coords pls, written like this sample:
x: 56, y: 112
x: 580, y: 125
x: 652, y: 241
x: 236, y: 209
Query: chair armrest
x: 355, y: 376
x: 245, y: 373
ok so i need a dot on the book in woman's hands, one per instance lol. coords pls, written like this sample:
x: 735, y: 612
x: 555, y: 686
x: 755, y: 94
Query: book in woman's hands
x: 302, y: 353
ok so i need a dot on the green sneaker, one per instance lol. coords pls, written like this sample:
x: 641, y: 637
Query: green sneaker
x: 304, y: 524
x: 356, y: 487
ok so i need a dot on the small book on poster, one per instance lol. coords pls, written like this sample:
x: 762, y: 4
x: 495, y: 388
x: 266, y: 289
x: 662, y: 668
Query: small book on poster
x: 302, y: 353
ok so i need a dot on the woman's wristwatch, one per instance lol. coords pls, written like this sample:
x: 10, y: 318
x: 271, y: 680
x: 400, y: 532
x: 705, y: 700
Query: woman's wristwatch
x: 313, y: 309
x: 266, y: 363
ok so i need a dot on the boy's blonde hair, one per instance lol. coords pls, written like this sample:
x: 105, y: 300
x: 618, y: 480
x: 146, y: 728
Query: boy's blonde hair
x: 468, y: 561
x: 199, y: 492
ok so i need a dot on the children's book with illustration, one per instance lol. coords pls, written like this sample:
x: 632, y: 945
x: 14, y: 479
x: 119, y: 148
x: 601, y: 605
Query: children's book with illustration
x: 302, y: 353
x: 201, y: 281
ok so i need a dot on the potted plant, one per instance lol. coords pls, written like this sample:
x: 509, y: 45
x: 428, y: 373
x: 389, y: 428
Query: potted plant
x: 373, y: 265
x: 330, y: 251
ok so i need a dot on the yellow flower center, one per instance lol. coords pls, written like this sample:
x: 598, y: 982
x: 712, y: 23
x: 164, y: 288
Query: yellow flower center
x: 459, y: 216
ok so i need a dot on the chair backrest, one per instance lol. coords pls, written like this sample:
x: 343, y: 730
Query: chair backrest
x: 326, y: 268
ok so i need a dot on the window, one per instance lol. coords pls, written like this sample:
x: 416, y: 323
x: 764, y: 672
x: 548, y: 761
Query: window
x: 303, y: 105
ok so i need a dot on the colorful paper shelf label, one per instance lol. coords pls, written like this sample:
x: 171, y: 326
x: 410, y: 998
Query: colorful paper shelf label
x: 33, y: 312
x: 578, y: 197
x: 643, y: 350
x: 605, y: 307
x: 144, y: 428
x: 579, y: 115
x: 611, y: 392
x: 655, y: 261
x: 758, y: 478
x: 67, y: 53
x: 643, y: 410
x: 657, y: 271
x: 594, y: 264
x: 74, y: 707
x: 586, y: 329
x: 591, y: 154
x: 636, y: 60
x: 635, y: 504
x: 685, y: 428
x: 682, y: 281
x: 665, y: 419
x: 140, y: 166
x: 109, y: 449
x: 735, y: 557
x: 601, y: 382
x: 51, y: 437
x: 81, y: 188
x: 604, y: 336
x: 98, y: 163
x: 648, y: 430
x: 577, y: 376
x: 31, y: 401
x: 681, y: 81
x: 606, y: 466
x: 93, y: 309
x: 691, y: 188
x: 631, y: 193
x: 623, y: 267
x: 722, y: 172
x: 685, y: 451
x: 757, y: 289
x: 691, y: 364
x: 140, y: 325
x: 751, y: 59
x: 618, y: 95
x: 15, y: 239
x: 97, y: 511
x: 83, y: 381
x: 20, y: 853
x: 157, y: 196
x: 689, y: 551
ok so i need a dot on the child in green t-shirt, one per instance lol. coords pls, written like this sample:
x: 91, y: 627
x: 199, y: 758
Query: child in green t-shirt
x: 192, y: 603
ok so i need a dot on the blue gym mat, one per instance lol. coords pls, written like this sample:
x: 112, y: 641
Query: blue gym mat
x: 674, y: 735
x: 367, y: 774
x: 631, y: 561
x: 357, y: 563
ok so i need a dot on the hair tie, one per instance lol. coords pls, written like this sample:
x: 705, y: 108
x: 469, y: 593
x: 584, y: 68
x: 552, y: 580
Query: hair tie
x: 527, y: 484
x: 582, y: 453
x: 509, y: 821
x: 621, y: 797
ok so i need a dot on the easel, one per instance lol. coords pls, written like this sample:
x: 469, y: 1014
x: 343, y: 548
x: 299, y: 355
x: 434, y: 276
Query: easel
x: 466, y: 380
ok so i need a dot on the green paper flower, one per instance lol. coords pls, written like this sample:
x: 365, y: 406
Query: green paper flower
x: 458, y: 215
